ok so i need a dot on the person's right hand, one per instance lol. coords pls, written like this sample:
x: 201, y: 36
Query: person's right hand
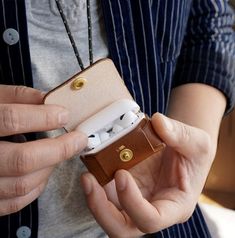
x: 26, y: 167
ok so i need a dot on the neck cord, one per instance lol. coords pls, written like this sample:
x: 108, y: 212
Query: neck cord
x: 72, y: 41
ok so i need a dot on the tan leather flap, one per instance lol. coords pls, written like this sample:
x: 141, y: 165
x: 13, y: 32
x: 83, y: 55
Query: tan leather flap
x: 100, y: 84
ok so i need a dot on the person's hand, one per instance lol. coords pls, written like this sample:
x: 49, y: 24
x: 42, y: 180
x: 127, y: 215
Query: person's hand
x: 160, y: 191
x: 26, y: 167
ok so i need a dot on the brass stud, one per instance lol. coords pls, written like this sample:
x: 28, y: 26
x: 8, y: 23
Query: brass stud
x: 126, y: 155
x: 78, y: 83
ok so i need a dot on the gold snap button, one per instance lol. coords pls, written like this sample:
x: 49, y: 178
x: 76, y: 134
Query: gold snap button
x: 78, y: 83
x: 126, y: 155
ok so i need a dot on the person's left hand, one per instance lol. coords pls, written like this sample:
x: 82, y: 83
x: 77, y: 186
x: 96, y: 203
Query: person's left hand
x: 160, y: 191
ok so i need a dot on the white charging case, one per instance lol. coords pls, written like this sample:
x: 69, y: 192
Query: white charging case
x: 105, y: 119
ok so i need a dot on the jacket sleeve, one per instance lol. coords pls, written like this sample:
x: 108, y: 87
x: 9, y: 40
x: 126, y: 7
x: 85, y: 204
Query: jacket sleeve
x: 208, y: 51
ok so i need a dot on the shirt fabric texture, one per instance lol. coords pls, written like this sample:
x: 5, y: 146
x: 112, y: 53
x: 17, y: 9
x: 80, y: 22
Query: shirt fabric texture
x: 49, y: 41
x: 156, y: 45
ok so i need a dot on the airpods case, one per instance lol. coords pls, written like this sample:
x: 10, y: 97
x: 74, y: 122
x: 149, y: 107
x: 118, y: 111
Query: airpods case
x: 119, y: 134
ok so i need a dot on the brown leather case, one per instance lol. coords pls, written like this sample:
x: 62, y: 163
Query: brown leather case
x: 103, y: 86
x: 139, y: 144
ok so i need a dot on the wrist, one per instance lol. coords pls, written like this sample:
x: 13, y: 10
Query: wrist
x: 198, y: 105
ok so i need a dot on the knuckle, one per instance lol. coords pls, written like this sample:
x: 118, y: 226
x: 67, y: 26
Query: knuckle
x: 21, y: 187
x: 185, y: 133
x: 65, y: 151
x: 50, y: 117
x: 10, y: 119
x: 19, y: 91
x: 14, y: 205
x: 22, y: 162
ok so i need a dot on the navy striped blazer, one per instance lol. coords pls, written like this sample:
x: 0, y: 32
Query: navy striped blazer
x: 156, y: 45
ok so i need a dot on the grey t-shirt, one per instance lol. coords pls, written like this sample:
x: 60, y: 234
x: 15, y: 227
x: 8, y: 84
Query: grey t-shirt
x: 62, y: 208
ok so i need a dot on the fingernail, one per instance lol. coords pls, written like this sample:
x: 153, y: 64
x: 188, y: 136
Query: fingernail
x: 63, y: 118
x: 120, y: 181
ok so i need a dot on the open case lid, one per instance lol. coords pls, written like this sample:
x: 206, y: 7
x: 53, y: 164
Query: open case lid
x: 89, y: 91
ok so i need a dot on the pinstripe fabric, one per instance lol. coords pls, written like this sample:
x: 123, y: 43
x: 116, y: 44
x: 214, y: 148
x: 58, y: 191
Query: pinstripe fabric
x: 14, y: 59
x: 15, y: 68
x: 156, y: 45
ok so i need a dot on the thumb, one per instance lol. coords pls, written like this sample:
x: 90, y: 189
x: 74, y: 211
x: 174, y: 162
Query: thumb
x: 20, y: 94
x: 185, y: 139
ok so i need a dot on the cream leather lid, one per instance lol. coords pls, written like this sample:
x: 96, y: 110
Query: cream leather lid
x: 89, y: 91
